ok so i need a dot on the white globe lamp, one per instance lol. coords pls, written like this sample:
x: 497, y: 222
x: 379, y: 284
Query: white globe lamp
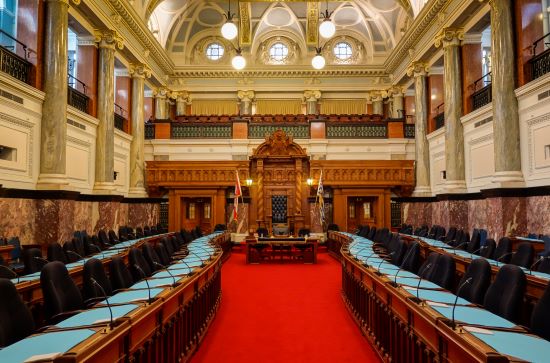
x: 327, y: 28
x: 318, y: 62
x: 229, y: 30
x: 238, y: 62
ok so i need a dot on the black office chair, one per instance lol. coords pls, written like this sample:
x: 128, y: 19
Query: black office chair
x: 479, y: 271
x: 17, y: 322
x: 62, y: 297
x: 90, y: 245
x: 411, y: 259
x: 93, y: 269
x: 540, y: 318
x: 119, y: 275
x: 113, y: 238
x: 544, y: 265
x: 56, y: 253
x: 371, y: 234
x: 439, y: 233
x: 220, y: 227
x: 136, y: 259
x: 162, y: 253
x: 187, y: 236
x: 33, y: 261
x: 504, y: 296
x: 399, y: 252
x: 503, y: 250
x: 70, y: 252
x: 428, y: 266
x: 79, y: 246
x: 488, y: 250
x: 139, y: 232
x: 458, y: 239
x: 524, y: 255
x: 104, y: 239
x: 151, y: 257
x: 443, y: 272
x: 475, y: 241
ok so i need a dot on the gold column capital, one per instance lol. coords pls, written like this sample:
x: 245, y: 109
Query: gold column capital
x: 312, y: 95
x: 449, y: 37
x: 108, y: 38
x: 418, y: 69
x: 139, y: 70
x: 246, y: 95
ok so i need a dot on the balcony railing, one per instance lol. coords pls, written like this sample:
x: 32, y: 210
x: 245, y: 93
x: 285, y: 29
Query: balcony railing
x: 77, y: 99
x: 540, y: 63
x: 409, y: 131
x: 439, y: 118
x: 121, y: 119
x: 12, y: 63
x: 482, y: 92
x: 149, y: 131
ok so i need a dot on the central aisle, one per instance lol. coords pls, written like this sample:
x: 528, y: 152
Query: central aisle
x: 283, y: 313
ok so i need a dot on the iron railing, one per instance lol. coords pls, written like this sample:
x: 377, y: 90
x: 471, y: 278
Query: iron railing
x: 540, y: 63
x: 120, y: 118
x: 12, y: 63
x: 482, y: 92
x: 439, y: 118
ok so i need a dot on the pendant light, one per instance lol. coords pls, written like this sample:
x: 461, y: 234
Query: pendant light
x: 229, y: 29
x: 238, y: 62
x: 318, y: 62
x: 327, y: 27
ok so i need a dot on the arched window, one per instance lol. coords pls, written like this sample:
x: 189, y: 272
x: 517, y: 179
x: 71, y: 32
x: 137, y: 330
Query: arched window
x: 214, y: 51
x: 342, y: 51
x: 278, y: 52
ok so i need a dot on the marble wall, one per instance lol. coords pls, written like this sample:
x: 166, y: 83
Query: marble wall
x: 500, y: 216
x: 41, y: 221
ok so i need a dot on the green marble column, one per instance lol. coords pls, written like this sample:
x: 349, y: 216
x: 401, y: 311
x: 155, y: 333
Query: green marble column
x: 422, y: 148
x: 450, y: 39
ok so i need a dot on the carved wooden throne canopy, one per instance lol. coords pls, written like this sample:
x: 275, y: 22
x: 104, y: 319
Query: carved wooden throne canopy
x: 279, y: 145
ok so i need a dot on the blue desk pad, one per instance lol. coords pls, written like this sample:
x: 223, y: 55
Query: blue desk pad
x: 132, y: 296
x: 402, y: 273
x: 443, y: 297
x: 94, y: 315
x: 523, y: 346
x: 155, y: 282
x: 177, y: 273
x: 413, y: 282
x: 535, y: 240
x: 474, y: 315
x: 47, y: 343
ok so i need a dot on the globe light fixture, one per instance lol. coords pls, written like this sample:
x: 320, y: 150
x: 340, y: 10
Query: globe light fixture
x: 229, y: 29
x: 318, y: 62
x: 238, y: 62
x: 327, y: 28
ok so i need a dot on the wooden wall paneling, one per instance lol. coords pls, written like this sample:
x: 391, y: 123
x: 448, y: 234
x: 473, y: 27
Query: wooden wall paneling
x: 123, y: 97
x: 396, y: 130
x: 471, y: 71
x: 436, y: 96
x: 528, y: 26
x: 86, y: 71
x: 240, y: 130
x: 410, y: 106
x: 317, y: 129
x: 148, y: 108
x: 30, y: 31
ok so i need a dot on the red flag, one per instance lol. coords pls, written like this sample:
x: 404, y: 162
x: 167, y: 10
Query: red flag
x: 236, y: 197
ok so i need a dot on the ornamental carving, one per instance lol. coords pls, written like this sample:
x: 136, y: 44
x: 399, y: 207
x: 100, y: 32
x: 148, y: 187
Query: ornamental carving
x: 108, y: 38
x: 312, y: 95
x: 418, y: 69
x: 449, y: 37
x: 278, y: 144
x: 199, y: 51
x: 264, y: 55
x: 246, y: 95
x: 139, y: 70
x: 357, y: 50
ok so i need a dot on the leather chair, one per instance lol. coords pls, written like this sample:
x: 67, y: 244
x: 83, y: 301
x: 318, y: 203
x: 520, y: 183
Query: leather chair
x: 410, y: 261
x: 428, y: 266
x: 119, y: 275
x: 450, y: 236
x: 113, y: 238
x: 540, y: 318
x: 399, y: 252
x: 93, y: 269
x: 70, y: 252
x: 151, y: 257
x: 488, y: 250
x: 504, y: 296
x: 33, y: 261
x: 61, y: 295
x: 371, y: 234
x: 503, y: 250
x: 17, y: 322
x: 162, y: 253
x: 104, y: 239
x: 475, y: 241
x: 138, y: 265
x: 56, y: 253
x: 479, y: 271
x: 524, y: 255
x: 443, y: 272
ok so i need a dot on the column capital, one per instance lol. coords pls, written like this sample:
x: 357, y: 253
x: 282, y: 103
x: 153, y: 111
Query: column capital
x: 312, y: 95
x: 180, y: 96
x: 449, y: 37
x: 108, y: 38
x: 246, y: 95
x: 395, y: 90
x: 139, y: 70
x: 375, y: 96
x: 418, y: 69
x: 160, y: 92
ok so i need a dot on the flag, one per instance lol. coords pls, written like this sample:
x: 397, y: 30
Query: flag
x: 236, y: 197
x: 319, y: 200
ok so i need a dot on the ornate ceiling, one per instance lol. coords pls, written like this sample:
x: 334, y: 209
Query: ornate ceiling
x: 371, y: 27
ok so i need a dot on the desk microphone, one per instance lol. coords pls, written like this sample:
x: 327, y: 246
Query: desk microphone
x: 203, y: 250
x: 401, y: 266
x: 358, y: 252
x: 468, y: 281
x: 142, y: 273
x: 541, y: 258
x: 191, y: 272
x: 458, y: 246
x: 74, y: 254
x: 504, y: 255
x: 381, y: 262
x: 199, y: 257
x: 169, y: 273
x: 368, y: 257
x: 14, y: 274
x: 428, y: 266
x: 98, y: 285
x: 96, y: 247
x: 479, y: 249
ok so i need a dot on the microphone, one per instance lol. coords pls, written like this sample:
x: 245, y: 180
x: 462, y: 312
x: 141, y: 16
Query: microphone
x: 541, y: 258
x: 381, y: 262
x: 358, y: 252
x: 199, y: 257
x: 74, y: 254
x: 468, y: 281
x: 400, y: 267
x: 142, y: 273
x: 169, y: 273
x: 368, y: 257
x: 191, y: 272
x: 94, y: 246
x: 479, y: 249
x: 42, y: 260
x: 428, y: 266
x: 98, y: 285
x: 504, y: 255
x: 14, y: 274
x: 458, y: 246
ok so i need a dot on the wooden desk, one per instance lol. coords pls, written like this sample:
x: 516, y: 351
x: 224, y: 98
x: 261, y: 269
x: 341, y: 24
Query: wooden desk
x: 537, y: 244
x: 267, y: 249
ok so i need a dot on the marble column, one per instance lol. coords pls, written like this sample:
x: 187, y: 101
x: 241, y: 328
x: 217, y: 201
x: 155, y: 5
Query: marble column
x: 450, y: 39
x: 138, y: 72
x: 377, y: 100
x: 245, y: 99
x: 181, y: 103
x: 312, y: 98
x: 53, y: 143
x: 422, y: 165
x: 398, y: 109
x: 161, y: 111
x: 108, y: 41
x: 505, y: 104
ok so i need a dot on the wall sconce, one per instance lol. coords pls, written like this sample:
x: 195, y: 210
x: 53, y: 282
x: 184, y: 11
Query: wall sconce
x: 309, y: 181
x: 248, y: 182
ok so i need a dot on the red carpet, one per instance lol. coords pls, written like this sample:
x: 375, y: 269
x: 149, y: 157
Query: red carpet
x: 283, y: 313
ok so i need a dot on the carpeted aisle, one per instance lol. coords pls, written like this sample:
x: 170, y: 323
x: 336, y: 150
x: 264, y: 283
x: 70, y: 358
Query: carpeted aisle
x: 283, y: 313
